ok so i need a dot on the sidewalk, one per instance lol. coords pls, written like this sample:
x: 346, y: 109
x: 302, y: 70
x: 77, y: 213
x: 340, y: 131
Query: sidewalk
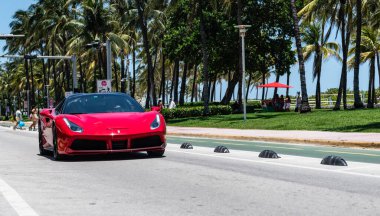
x: 367, y: 140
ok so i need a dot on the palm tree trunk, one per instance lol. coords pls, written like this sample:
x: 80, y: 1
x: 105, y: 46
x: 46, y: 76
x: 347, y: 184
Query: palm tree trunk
x: 240, y: 89
x: 205, y: 77
x: 318, y: 70
x: 371, y: 83
x: 43, y: 71
x: 116, y: 75
x: 263, y: 82
x: 194, y: 91
x: 248, y: 85
x: 358, y: 102
x: 27, y: 80
x: 144, y: 31
x: 343, y: 77
x: 287, y: 82
x: 83, y: 86
x: 176, y: 80
x: 378, y: 65
x: 277, y: 80
x: 347, y: 44
x: 172, y: 83
x: 33, y: 101
x: 305, y: 101
x: 183, y: 85
x: 231, y: 87
x: 318, y: 92
x: 55, y: 83
x: 134, y: 71
x: 163, y: 78
x: 122, y: 73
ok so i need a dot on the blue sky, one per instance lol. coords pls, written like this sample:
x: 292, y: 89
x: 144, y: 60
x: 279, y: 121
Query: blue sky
x: 331, y: 69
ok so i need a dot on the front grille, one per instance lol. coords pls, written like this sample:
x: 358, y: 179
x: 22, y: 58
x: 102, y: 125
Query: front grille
x: 117, y: 145
x: 89, y: 145
x: 151, y: 141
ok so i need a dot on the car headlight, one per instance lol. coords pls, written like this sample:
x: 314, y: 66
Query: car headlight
x: 73, y: 126
x: 156, y: 123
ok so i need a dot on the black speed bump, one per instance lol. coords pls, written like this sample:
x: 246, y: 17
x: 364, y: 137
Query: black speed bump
x: 186, y: 145
x: 334, y: 161
x: 268, y: 154
x: 221, y: 149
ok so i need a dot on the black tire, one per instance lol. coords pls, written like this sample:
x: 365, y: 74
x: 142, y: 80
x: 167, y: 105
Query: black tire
x: 159, y: 153
x: 40, y: 145
x: 56, y: 155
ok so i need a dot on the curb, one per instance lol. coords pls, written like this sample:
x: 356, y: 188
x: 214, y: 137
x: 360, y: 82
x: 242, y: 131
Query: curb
x: 342, y: 143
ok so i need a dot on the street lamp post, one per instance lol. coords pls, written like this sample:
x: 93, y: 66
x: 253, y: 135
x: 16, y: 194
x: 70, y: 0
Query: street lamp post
x: 242, y: 31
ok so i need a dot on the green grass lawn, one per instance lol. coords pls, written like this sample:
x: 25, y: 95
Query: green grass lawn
x: 367, y: 120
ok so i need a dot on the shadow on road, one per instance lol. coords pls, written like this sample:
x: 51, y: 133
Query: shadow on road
x: 102, y: 157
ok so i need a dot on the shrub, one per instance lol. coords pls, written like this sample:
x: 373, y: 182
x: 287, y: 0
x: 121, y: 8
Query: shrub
x: 185, y: 112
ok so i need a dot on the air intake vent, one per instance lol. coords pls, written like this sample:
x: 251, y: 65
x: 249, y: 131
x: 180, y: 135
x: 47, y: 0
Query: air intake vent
x: 146, y: 142
x: 118, y: 145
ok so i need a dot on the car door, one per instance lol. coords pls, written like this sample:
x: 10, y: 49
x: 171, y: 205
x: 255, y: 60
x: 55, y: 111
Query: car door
x: 47, y: 121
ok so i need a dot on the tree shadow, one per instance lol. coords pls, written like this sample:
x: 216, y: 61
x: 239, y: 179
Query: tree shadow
x: 359, y: 128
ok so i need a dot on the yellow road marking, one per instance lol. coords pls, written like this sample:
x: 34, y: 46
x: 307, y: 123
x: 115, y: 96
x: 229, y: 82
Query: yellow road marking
x: 232, y: 144
x: 353, y: 153
x: 298, y: 149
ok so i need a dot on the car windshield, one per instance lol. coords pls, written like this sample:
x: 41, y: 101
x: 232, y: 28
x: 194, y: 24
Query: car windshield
x: 101, y: 103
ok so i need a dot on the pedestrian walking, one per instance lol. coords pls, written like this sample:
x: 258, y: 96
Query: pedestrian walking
x: 34, y: 117
x: 18, y: 117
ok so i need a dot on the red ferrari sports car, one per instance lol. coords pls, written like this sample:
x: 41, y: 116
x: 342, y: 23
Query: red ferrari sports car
x: 100, y: 124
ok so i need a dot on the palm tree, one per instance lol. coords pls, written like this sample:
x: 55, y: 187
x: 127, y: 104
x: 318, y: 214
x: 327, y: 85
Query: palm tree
x: 358, y: 102
x: 305, y: 107
x: 370, y: 48
x: 316, y: 43
x: 339, y: 14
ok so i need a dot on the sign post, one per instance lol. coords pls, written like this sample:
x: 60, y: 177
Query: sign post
x: 104, y: 86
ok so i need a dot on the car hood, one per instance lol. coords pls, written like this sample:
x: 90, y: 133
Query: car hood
x: 116, y: 123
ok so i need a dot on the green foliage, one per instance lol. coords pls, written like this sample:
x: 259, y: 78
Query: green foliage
x: 185, y: 112
x: 365, y: 120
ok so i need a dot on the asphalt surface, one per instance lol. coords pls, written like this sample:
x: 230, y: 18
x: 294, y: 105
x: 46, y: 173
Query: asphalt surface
x: 304, y: 150
x: 184, y: 182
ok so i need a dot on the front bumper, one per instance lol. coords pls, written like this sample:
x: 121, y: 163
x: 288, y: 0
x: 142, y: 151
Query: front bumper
x: 90, y: 144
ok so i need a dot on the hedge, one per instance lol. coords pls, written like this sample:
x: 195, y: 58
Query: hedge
x: 185, y: 112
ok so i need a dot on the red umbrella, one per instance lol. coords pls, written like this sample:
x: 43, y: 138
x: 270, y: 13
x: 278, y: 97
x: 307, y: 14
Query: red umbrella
x: 275, y: 85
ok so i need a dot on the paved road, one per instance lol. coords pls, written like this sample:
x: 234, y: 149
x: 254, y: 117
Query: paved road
x: 185, y: 182
x: 308, y: 150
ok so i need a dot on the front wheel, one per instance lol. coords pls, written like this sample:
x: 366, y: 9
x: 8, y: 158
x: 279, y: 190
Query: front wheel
x: 159, y: 153
x: 56, y: 155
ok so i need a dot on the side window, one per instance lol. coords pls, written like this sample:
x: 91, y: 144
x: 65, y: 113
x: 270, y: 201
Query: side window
x: 59, y: 107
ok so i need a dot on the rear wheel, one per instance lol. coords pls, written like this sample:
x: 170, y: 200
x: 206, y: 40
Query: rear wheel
x: 40, y: 142
x: 56, y: 155
x: 159, y: 153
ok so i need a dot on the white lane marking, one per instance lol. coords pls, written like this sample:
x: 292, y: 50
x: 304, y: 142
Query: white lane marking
x: 15, y: 200
x: 236, y: 144
x: 279, y: 164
